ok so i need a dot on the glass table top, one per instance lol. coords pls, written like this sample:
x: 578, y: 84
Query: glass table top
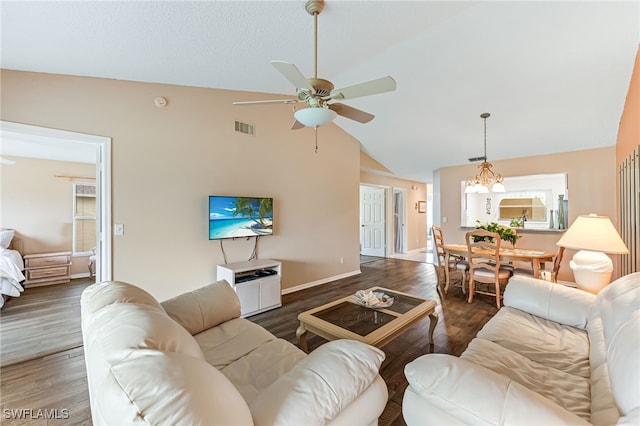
x: 363, y: 320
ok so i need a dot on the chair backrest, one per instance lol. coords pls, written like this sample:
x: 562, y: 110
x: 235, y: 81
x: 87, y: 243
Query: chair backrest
x: 438, y: 242
x: 483, y: 249
x: 556, y: 264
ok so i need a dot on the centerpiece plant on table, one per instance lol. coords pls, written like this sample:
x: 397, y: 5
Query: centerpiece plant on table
x: 506, y: 233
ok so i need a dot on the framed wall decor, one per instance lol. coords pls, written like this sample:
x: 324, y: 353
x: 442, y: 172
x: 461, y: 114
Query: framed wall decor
x: 422, y: 206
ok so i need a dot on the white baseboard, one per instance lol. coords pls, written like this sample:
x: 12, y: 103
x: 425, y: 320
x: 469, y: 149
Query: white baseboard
x: 418, y: 250
x: 82, y: 275
x: 319, y: 282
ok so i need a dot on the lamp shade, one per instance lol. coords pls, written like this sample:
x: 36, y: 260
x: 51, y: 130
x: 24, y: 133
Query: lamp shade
x: 593, y: 233
x: 315, y: 117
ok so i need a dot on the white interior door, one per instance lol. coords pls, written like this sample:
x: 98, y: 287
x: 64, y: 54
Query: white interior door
x: 372, y: 221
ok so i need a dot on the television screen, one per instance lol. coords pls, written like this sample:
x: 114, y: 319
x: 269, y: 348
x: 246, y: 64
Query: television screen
x: 231, y: 217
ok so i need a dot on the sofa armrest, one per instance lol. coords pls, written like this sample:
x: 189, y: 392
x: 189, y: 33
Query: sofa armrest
x: 444, y: 387
x: 205, y: 307
x: 321, y: 386
x: 555, y: 302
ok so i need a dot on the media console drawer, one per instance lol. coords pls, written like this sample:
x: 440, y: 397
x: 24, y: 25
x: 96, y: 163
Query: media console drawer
x: 47, y: 268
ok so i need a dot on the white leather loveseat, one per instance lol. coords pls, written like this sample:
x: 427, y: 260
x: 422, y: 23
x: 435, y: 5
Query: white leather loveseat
x: 191, y: 360
x: 552, y: 355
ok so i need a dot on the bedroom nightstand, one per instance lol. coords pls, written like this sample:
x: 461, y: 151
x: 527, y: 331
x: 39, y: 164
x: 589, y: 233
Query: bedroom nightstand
x: 47, y: 268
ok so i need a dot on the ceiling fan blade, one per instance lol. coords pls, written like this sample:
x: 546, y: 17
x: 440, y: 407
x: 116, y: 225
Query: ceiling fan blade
x: 351, y: 112
x: 297, y: 125
x: 276, y: 101
x: 293, y: 74
x: 381, y: 85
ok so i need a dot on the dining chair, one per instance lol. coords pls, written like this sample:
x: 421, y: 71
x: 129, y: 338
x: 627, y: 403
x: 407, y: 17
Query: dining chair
x: 484, y: 264
x: 456, y: 263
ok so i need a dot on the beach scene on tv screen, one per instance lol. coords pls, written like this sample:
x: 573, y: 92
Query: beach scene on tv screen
x: 231, y: 217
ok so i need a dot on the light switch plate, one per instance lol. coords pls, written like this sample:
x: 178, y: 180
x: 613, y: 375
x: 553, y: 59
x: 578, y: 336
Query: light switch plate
x: 118, y: 229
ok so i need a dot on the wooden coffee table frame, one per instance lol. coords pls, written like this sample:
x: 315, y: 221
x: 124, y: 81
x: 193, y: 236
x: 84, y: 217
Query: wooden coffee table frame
x: 380, y: 336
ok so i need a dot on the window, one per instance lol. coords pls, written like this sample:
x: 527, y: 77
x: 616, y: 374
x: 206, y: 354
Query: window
x: 84, y: 218
x: 532, y: 197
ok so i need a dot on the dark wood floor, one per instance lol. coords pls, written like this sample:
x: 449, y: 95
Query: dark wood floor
x: 48, y: 315
x: 59, y: 381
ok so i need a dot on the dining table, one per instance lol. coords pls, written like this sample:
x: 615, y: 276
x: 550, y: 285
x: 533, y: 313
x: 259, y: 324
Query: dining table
x: 537, y: 258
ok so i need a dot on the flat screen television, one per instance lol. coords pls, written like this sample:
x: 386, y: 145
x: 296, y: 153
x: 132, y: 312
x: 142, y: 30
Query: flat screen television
x: 233, y: 217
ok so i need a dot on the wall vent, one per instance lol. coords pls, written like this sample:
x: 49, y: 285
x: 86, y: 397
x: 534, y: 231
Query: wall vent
x: 245, y: 128
x: 474, y: 159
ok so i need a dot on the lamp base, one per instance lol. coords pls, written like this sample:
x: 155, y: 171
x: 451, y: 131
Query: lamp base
x: 591, y: 270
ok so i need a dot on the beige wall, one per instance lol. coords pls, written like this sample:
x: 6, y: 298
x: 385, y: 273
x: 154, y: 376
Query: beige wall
x: 416, y: 191
x: 369, y: 164
x: 591, y: 189
x: 166, y: 161
x: 39, y: 205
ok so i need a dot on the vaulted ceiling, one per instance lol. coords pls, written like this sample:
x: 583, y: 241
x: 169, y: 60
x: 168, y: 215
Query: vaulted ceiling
x: 554, y: 75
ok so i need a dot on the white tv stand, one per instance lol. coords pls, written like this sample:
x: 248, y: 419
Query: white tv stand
x: 257, y: 283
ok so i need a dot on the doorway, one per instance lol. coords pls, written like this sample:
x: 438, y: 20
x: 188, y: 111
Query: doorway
x: 372, y: 221
x: 33, y: 141
x: 399, y: 221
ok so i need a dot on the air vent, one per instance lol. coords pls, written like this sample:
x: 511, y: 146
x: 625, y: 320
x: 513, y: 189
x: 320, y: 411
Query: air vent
x: 245, y: 128
x: 474, y: 159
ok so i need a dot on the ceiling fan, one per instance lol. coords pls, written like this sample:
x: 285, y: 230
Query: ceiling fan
x: 319, y: 94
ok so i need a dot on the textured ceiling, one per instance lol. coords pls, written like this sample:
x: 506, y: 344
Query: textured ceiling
x: 553, y: 75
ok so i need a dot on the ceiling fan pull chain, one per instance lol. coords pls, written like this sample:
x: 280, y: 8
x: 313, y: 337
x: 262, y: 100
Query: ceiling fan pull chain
x: 316, y: 132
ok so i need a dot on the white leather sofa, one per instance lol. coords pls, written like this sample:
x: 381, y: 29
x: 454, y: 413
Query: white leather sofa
x: 552, y: 355
x: 193, y: 361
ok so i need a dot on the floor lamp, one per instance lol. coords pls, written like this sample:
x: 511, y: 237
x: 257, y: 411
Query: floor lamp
x: 594, y: 236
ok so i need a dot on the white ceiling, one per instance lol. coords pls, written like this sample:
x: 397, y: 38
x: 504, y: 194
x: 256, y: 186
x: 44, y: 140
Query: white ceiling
x: 553, y: 75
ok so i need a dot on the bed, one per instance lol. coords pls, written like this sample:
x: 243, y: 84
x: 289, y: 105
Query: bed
x: 11, y: 267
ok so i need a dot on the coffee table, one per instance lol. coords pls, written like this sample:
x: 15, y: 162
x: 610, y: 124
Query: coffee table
x: 344, y: 319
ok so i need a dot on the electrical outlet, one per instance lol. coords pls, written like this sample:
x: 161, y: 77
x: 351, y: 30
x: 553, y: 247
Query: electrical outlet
x: 118, y: 229
x: 342, y: 260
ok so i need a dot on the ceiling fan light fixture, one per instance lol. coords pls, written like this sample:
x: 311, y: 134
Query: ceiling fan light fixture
x: 315, y: 117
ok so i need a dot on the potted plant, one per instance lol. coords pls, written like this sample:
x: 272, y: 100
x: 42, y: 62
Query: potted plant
x: 517, y: 222
x: 506, y: 233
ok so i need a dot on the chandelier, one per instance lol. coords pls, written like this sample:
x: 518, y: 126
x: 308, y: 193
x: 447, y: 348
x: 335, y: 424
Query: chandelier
x: 486, y: 177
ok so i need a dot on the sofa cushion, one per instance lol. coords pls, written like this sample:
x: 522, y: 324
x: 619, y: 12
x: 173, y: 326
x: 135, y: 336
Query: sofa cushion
x: 205, y: 307
x: 546, y: 342
x: 569, y: 391
x: 97, y: 296
x: 446, y: 390
x: 120, y: 330
x: 548, y: 300
x: 230, y: 341
x: 256, y: 371
x: 171, y: 388
x: 319, y: 386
